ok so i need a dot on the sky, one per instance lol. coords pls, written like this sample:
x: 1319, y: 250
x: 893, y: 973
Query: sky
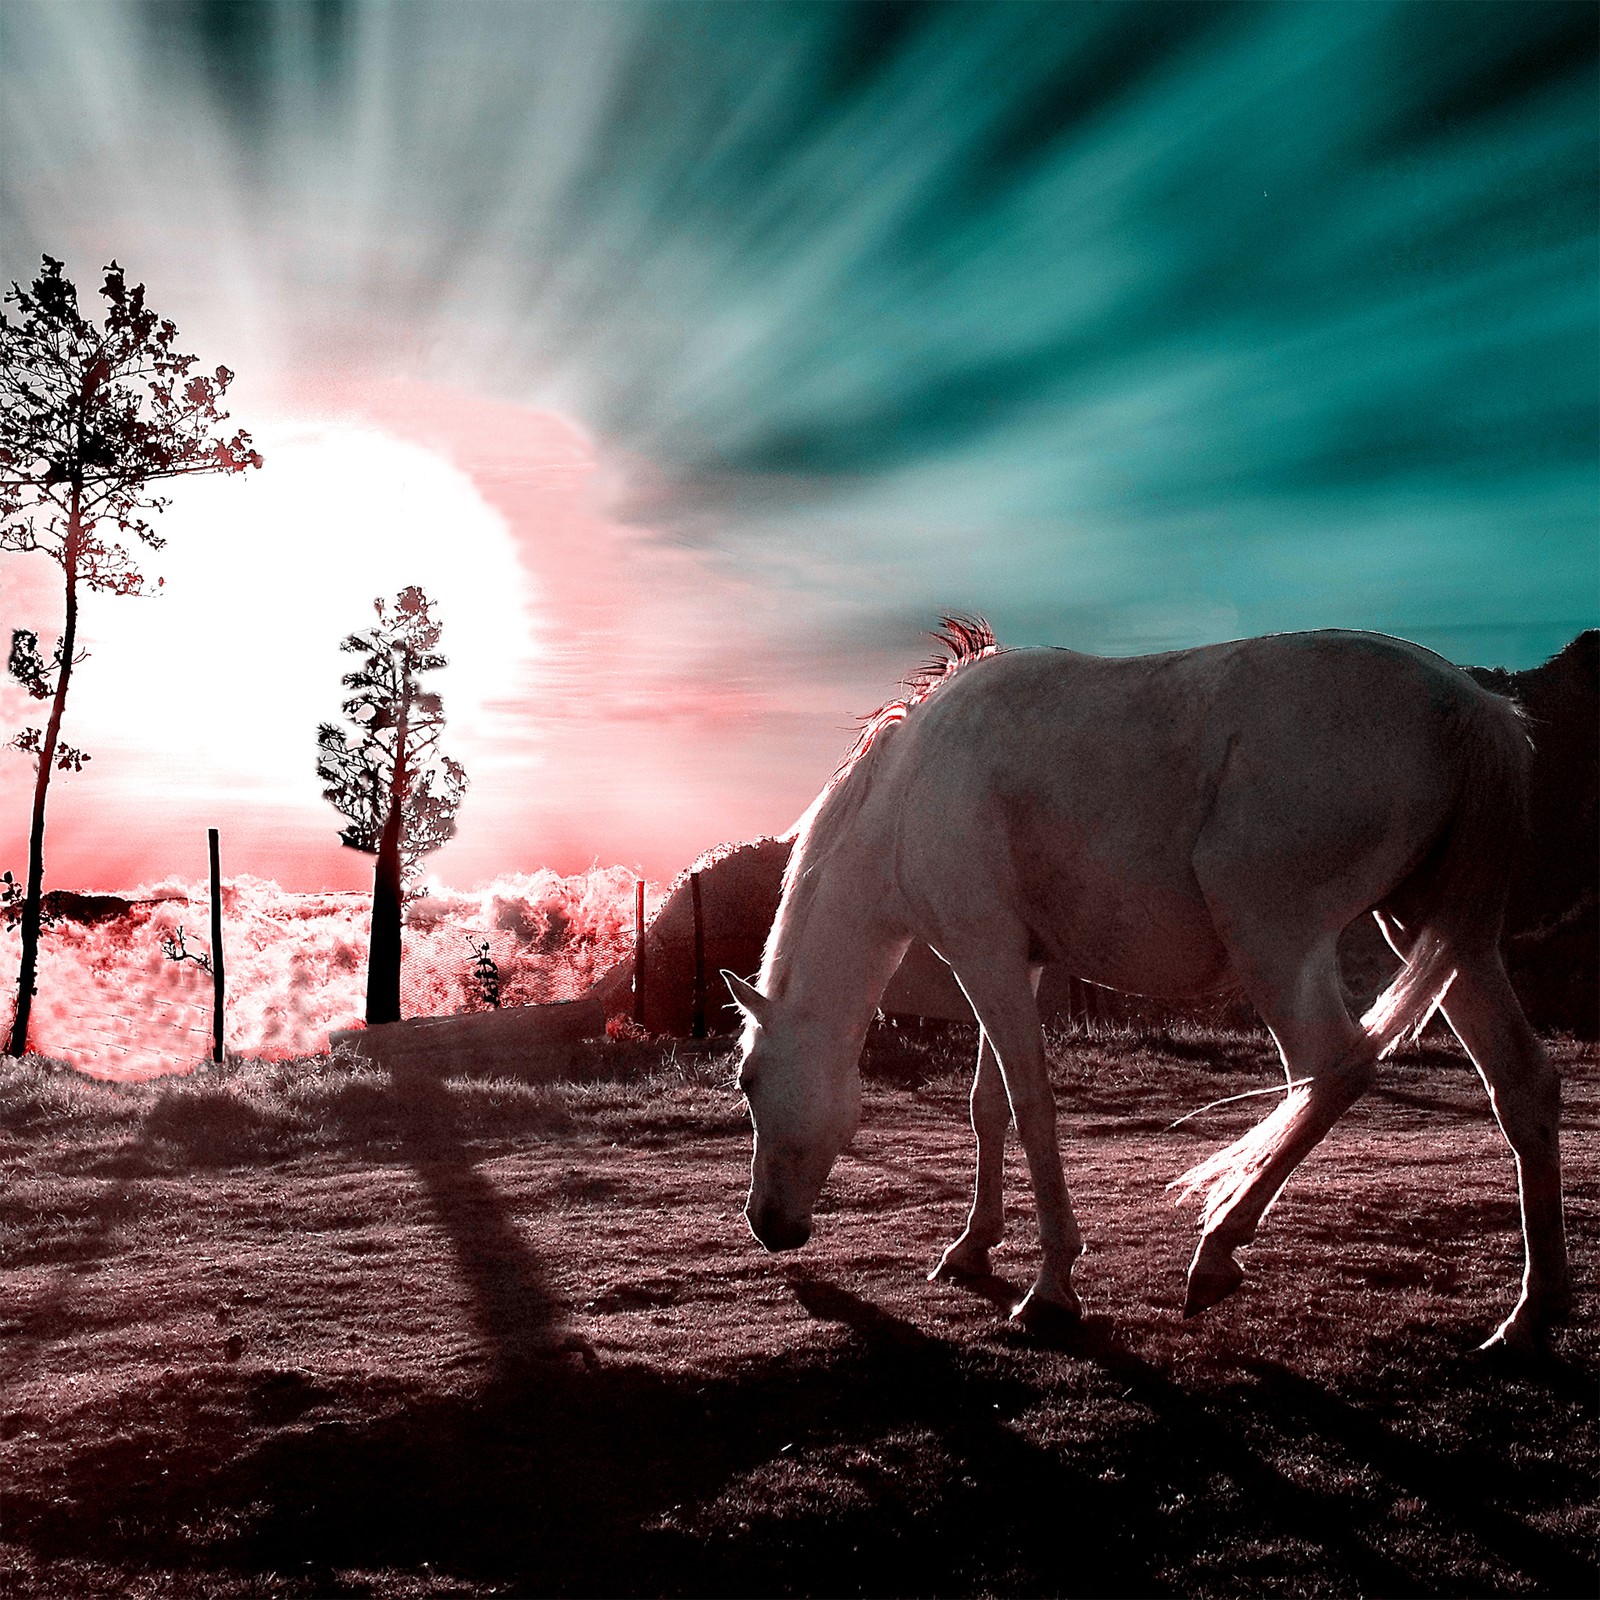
x: 696, y: 357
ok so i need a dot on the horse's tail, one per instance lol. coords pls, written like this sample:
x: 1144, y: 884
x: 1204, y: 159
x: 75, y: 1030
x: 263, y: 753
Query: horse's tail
x: 1463, y: 885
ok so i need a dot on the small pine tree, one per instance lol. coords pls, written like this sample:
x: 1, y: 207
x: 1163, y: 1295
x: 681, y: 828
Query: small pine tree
x: 399, y: 793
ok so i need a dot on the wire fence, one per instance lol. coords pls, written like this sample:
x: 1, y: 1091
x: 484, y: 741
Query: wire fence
x: 169, y: 1036
x: 108, y: 1015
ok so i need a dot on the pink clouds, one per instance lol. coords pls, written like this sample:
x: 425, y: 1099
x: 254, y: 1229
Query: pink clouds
x: 112, y: 1004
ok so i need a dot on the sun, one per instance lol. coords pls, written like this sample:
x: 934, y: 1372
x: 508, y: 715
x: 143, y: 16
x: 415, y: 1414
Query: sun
x: 213, y: 687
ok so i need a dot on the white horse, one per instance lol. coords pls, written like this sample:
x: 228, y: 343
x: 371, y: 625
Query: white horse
x: 1169, y: 825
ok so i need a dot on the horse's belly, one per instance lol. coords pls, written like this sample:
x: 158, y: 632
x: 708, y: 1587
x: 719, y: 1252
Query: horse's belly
x: 1135, y: 921
x: 1141, y: 939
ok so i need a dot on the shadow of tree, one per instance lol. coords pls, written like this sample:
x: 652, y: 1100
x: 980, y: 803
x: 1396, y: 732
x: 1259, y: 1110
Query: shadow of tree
x: 96, y: 1229
x: 515, y: 1315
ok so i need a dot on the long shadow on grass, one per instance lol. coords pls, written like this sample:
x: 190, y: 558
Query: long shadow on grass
x: 1187, y: 1449
x: 1461, y: 1486
x: 515, y: 1315
x: 1225, y: 1434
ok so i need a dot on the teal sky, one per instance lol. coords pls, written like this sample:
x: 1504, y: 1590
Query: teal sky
x: 1130, y: 326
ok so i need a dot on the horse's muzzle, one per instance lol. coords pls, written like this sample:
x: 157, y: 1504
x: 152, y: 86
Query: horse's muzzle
x: 776, y: 1231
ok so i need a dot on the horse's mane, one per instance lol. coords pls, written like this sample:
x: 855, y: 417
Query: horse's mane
x: 962, y: 640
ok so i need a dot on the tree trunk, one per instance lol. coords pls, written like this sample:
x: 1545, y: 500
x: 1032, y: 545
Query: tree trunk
x: 33, y: 900
x: 383, y: 953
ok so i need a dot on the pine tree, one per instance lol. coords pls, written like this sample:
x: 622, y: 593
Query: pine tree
x: 398, y: 792
x: 90, y: 418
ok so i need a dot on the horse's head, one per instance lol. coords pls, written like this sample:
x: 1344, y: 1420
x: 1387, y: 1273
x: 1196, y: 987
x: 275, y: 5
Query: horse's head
x: 803, y: 1084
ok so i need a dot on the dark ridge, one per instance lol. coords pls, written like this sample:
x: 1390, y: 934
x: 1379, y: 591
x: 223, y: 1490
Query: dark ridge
x: 65, y: 905
x: 1561, y: 700
x: 1553, y: 919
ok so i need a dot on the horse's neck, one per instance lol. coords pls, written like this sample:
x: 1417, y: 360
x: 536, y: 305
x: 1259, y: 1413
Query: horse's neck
x: 848, y: 943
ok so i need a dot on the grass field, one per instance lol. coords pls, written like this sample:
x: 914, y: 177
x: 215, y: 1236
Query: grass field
x: 307, y: 1329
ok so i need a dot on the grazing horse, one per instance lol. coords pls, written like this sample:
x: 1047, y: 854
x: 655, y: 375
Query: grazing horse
x: 1170, y: 825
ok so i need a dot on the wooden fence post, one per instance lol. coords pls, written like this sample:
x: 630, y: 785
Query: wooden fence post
x: 216, y: 946
x: 638, y: 953
x: 699, y: 1024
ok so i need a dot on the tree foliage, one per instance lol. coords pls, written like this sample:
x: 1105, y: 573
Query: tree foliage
x: 91, y: 417
x: 398, y: 792
x: 392, y: 757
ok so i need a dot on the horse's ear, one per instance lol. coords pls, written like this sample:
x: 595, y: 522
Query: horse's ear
x: 747, y: 997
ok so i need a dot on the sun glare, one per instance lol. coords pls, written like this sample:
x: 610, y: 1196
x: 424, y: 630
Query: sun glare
x: 218, y: 681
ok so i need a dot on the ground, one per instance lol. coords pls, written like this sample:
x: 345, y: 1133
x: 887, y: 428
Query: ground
x: 308, y: 1329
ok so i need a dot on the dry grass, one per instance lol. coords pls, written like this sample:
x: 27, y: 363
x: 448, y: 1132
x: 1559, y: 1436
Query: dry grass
x: 306, y: 1329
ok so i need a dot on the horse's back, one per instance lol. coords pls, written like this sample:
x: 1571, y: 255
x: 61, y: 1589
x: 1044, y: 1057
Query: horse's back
x: 1338, y: 742
x: 1064, y: 792
x: 1084, y: 788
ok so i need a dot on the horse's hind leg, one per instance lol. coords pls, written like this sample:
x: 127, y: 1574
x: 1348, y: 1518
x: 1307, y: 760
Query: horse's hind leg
x: 991, y: 1116
x: 1329, y: 1061
x: 1525, y: 1091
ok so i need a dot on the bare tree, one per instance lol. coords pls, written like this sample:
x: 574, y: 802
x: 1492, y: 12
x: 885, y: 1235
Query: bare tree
x: 399, y: 793
x: 91, y: 417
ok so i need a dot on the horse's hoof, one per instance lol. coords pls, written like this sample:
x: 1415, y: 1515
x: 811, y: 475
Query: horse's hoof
x: 1209, y: 1282
x: 959, y: 1265
x: 1047, y: 1318
x: 1518, y: 1336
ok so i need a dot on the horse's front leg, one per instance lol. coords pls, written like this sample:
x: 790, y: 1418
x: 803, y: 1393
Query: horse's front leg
x: 968, y: 1257
x: 1002, y: 994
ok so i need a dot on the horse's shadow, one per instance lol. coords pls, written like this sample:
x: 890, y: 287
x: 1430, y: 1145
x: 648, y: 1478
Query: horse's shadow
x: 1464, y: 1485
